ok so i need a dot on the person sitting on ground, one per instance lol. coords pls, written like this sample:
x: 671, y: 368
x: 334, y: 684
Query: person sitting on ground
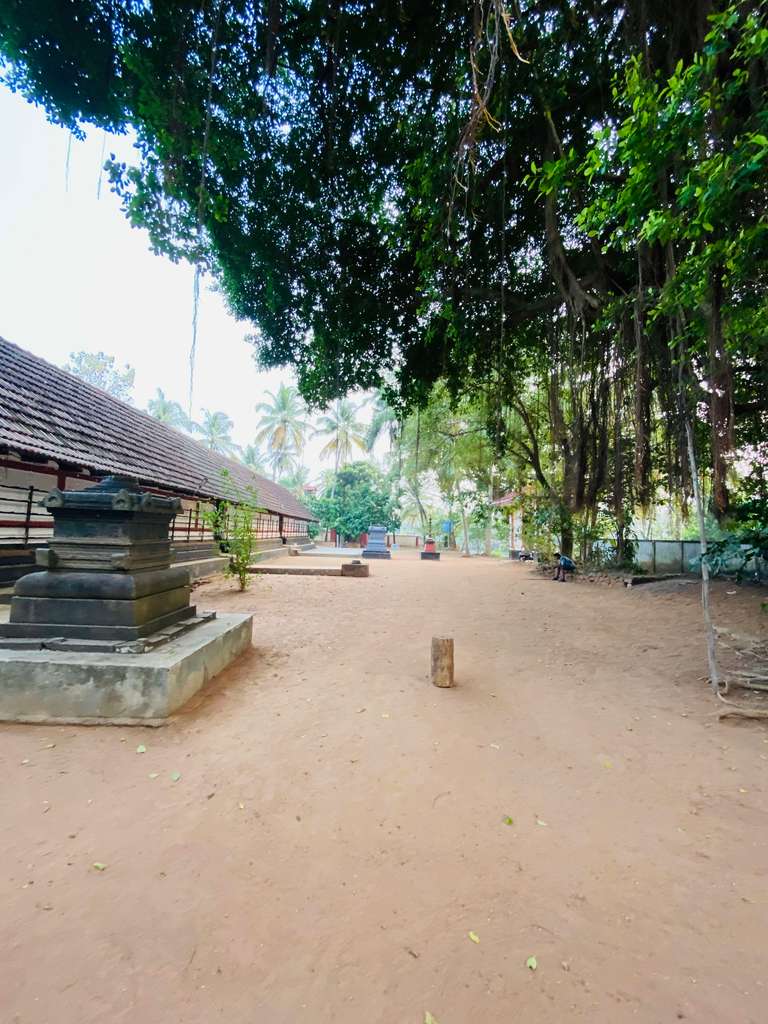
x: 563, y: 565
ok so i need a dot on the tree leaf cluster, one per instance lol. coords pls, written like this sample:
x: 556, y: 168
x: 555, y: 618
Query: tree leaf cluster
x: 355, y: 498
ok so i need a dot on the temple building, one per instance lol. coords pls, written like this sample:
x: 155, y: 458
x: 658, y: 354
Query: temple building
x: 58, y: 431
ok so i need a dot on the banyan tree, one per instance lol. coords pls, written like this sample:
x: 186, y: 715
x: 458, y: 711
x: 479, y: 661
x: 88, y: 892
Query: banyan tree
x: 556, y: 206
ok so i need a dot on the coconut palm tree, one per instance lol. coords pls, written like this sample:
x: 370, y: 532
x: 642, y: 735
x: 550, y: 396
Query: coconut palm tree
x: 344, y: 433
x: 384, y: 418
x: 216, y: 430
x: 254, y: 458
x: 168, y: 411
x: 282, y: 461
x: 296, y: 480
x: 282, y: 426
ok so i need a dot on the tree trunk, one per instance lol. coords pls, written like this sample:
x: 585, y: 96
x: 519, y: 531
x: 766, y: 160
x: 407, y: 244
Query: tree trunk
x: 442, y: 661
x: 566, y: 534
x: 642, y: 405
x: 489, y: 524
x: 465, y: 529
x: 714, y: 674
x: 618, y: 477
x: 721, y: 398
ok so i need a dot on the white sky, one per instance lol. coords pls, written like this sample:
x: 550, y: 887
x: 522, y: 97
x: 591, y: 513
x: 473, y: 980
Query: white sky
x: 74, y: 275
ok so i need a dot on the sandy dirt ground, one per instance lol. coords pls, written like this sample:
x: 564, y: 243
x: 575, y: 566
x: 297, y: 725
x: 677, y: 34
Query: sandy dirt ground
x: 318, y: 835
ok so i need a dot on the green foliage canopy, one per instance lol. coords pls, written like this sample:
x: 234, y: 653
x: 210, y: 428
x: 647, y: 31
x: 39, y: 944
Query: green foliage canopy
x: 355, y: 498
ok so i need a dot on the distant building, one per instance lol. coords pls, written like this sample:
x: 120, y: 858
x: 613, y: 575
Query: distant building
x: 58, y: 431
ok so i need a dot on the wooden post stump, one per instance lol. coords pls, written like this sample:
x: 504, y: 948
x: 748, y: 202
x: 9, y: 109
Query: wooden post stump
x: 442, y: 661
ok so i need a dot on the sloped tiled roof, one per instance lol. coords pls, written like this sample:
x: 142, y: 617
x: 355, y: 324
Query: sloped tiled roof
x: 47, y: 412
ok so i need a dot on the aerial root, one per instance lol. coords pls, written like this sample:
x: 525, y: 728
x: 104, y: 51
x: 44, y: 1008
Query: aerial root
x: 738, y: 710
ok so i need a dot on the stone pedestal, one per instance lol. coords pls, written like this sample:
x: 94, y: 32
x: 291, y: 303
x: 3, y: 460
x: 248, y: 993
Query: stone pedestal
x: 377, y: 543
x: 106, y: 633
x: 430, y: 552
x: 107, y: 572
x: 61, y: 685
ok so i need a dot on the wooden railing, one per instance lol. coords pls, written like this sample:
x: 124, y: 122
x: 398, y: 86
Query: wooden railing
x: 24, y: 522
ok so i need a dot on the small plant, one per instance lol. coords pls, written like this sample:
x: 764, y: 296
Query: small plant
x: 240, y: 542
x: 232, y: 526
x: 216, y: 518
x: 739, y: 554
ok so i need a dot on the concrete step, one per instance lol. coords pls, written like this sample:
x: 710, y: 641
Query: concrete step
x: 202, y: 567
x: 195, y: 551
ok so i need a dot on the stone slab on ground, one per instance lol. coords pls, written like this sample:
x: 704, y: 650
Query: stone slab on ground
x: 59, y: 686
x: 346, y: 569
x: 291, y: 570
x: 635, y: 581
x: 282, y: 551
x: 323, y: 552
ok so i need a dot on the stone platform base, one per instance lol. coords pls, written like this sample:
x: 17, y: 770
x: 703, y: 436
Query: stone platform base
x: 430, y: 556
x: 118, y: 689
